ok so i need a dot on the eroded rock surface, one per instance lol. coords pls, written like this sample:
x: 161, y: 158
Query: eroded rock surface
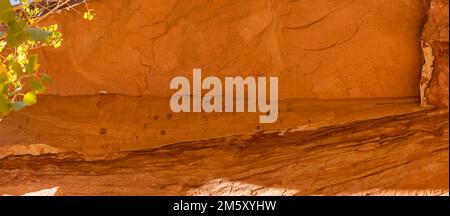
x: 131, y: 144
x: 104, y: 126
x: 403, y: 154
x: 434, y: 81
x: 319, y: 49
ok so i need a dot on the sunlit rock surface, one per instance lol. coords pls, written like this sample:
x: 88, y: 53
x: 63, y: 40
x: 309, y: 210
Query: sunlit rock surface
x: 327, y: 141
x: 319, y: 49
x: 403, y: 154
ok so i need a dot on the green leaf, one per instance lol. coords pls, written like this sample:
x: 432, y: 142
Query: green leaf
x: 16, y: 33
x: 17, y: 68
x: 29, y: 98
x: 47, y: 79
x: 18, y: 105
x: 4, y: 105
x: 3, y: 88
x: 32, y: 64
x: 36, y: 85
x: 6, y: 11
x: 3, y: 75
x: 38, y: 35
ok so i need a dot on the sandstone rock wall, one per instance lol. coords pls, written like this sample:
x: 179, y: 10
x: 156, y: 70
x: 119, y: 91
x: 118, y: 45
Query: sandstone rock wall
x: 88, y: 144
x: 319, y: 49
x: 104, y: 126
x: 435, y: 42
x: 398, y: 155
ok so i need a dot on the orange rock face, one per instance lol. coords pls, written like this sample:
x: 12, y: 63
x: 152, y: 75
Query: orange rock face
x: 398, y: 155
x: 350, y: 77
x: 435, y: 71
x: 437, y: 94
x: 319, y: 49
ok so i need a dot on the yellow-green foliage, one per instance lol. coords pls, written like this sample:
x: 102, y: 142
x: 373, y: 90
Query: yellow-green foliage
x: 20, y: 79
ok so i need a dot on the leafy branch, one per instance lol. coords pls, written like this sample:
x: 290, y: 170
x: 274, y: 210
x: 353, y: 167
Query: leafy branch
x: 20, y: 79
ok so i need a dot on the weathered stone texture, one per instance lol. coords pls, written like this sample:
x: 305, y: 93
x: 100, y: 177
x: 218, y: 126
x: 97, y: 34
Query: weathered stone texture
x: 132, y: 144
x: 434, y: 81
x: 397, y: 155
x: 319, y: 49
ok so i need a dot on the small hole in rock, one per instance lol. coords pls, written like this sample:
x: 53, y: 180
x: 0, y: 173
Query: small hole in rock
x: 103, y: 131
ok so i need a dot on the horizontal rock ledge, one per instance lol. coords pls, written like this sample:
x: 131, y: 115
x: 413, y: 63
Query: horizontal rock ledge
x: 101, y: 127
x: 395, y: 155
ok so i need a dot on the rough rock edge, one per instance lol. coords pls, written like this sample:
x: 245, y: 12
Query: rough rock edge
x: 388, y: 156
x: 33, y: 149
x: 428, y: 41
x: 427, y: 72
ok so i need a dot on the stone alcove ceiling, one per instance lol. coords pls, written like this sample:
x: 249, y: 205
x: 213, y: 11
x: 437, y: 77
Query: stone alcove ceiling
x: 352, y: 77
